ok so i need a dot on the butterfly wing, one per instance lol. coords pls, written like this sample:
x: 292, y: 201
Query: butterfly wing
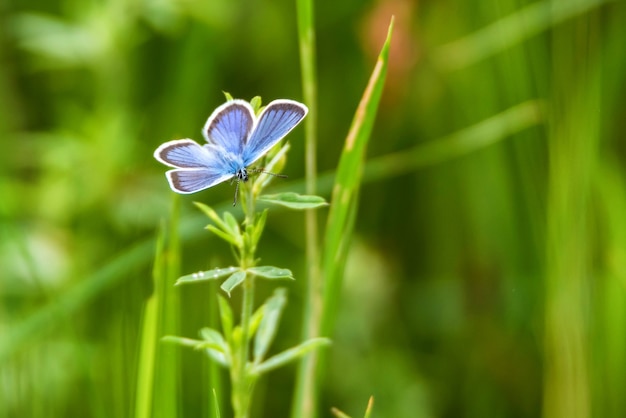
x: 230, y: 125
x: 185, y: 153
x: 192, y: 181
x: 197, y: 167
x: 276, y: 120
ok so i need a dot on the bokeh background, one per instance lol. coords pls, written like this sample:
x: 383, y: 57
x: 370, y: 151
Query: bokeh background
x: 487, y: 274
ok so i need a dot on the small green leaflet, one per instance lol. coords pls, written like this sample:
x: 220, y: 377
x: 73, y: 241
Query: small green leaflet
x: 271, y: 272
x: 294, y: 200
x: 207, y: 275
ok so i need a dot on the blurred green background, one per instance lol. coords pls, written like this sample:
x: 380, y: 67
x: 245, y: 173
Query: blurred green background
x: 487, y: 273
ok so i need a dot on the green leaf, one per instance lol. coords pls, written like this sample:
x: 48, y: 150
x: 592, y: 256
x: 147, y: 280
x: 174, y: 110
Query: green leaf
x: 226, y: 316
x: 270, y: 272
x: 213, y: 336
x: 211, y: 214
x: 233, y: 225
x: 342, y: 212
x: 216, y: 402
x: 259, y: 225
x: 213, y: 274
x: 216, y: 346
x: 255, y: 320
x: 294, y: 200
x: 269, y: 324
x: 226, y: 228
x: 256, y: 102
x: 370, y: 407
x: 275, y: 161
x: 228, y: 96
x: 226, y: 236
x: 187, y: 342
x: 290, y: 355
x: 338, y: 413
x: 233, y: 281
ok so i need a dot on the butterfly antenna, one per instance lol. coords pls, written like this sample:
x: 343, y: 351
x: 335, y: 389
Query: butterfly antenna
x: 260, y: 170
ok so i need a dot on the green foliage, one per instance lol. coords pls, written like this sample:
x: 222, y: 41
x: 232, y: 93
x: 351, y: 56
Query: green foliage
x: 230, y: 349
x: 346, y: 190
x: 294, y: 200
x: 485, y: 268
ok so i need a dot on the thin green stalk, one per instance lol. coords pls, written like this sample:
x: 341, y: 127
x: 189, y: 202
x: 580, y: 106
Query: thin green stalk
x: 304, y: 394
x: 149, y: 337
x: 573, y: 146
x: 167, y: 385
x: 242, y: 383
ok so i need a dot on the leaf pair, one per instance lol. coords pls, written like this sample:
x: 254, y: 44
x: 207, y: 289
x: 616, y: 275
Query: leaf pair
x: 236, y: 275
x: 263, y: 327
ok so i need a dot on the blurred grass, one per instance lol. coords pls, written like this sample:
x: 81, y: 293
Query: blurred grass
x: 480, y: 268
x: 305, y: 392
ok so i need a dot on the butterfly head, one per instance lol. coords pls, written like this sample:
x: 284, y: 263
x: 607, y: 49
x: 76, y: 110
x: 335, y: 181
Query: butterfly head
x: 242, y: 174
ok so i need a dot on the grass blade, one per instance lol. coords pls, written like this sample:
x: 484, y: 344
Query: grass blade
x: 347, y: 183
x: 149, y: 339
x: 574, y: 138
x: 338, y: 232
x: 303, y: 405
x: 167, y: 374
x: 510, y: 30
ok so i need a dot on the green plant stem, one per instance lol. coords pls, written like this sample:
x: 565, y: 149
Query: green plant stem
x: 304, y: 394
x: 242, y: 382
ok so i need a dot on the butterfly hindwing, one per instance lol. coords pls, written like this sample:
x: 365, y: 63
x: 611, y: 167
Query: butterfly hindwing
x: 276, y: 120
x: 230, y: 125
x: 191, y: 181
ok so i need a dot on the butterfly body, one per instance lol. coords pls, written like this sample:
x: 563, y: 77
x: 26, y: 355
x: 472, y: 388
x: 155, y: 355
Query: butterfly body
x: 236, y: 138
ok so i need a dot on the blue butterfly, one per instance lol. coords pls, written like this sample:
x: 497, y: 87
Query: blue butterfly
x: 236, y: 138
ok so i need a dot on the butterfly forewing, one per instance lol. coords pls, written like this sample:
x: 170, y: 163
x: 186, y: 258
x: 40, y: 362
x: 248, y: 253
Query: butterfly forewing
x: 230, y: 125
x: 191, y: 181
x: 276, y: 120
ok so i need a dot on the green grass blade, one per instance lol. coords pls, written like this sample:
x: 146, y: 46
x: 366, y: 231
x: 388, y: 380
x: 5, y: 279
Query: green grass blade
x: 347, y: 183
x: 167, y: 385
x: 306, y: 38
x: 510, y: 30
x: 574, y: 138
x: 149, y: 338
x: 303, y: 405
x: 487, y: 132
x: 337, y: 233
x: 83, y: 292
x: 370, y: 408
x: 608, y: 326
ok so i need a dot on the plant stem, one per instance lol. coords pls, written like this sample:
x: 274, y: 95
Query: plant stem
x: 304, y: 394
x: 242, y: 382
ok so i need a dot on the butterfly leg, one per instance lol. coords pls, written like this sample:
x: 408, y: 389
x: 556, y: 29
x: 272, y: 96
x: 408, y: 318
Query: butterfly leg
x: 236, y: 191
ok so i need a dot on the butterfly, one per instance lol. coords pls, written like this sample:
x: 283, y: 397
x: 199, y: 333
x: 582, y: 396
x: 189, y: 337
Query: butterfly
x: 235, y: 137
